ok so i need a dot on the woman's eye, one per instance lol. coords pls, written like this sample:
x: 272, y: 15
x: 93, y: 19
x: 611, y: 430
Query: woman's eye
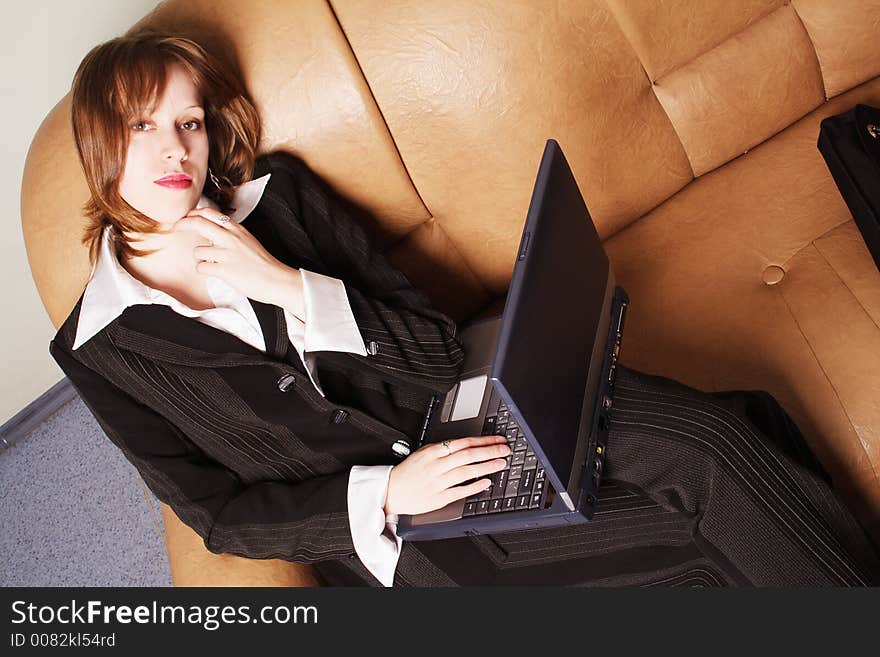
x: 137, y: 125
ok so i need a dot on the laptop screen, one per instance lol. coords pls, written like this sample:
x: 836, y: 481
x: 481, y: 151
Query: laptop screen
x: 552, y: 312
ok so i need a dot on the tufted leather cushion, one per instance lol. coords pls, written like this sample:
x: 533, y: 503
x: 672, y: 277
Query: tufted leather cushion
x: 691, y: 129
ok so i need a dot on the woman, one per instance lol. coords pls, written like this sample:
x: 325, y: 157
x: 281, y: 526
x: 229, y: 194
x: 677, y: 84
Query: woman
x: 265, y: 370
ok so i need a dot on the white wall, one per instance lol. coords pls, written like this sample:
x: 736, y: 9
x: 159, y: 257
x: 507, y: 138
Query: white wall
x: 41, y: 45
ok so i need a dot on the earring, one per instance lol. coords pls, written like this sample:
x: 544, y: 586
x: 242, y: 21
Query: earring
x: 213, y: 178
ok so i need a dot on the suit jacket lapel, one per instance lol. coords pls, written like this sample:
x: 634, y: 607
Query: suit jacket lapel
x: 274, y: 327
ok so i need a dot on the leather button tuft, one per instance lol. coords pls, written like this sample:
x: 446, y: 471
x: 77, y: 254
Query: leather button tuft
x: 401, y: 448
x: 773, y: 275
x: 285, y: 382
x: 339, y: 416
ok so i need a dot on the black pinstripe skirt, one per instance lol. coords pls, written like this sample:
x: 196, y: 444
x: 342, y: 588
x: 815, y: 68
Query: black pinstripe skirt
x: 705, y: 489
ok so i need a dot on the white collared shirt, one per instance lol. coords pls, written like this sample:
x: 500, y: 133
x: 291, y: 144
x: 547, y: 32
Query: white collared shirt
x: 329, y: 326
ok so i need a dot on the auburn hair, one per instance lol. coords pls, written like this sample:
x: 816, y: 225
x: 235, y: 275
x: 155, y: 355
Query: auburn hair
x: 117, y: 81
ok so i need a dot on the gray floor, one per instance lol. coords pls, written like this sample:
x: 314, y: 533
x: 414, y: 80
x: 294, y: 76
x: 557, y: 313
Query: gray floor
x: 74, y: 512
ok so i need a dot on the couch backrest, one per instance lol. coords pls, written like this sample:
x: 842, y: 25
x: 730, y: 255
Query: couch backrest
x: 433, y: 116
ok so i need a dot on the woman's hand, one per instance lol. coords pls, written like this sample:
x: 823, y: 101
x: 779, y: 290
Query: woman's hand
x: 237, y: 257
x: 428, y: 478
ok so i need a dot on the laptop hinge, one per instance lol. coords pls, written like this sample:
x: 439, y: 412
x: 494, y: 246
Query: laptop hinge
x: 567, y: 499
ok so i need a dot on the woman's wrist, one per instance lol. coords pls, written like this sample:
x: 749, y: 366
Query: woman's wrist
x: 385, y: 508
x: 289, y: 291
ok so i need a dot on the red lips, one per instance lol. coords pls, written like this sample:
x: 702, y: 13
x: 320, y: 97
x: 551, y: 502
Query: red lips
x: 175, y: 181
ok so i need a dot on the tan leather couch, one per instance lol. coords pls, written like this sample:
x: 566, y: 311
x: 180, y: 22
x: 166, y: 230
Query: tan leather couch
x: 691, y: 127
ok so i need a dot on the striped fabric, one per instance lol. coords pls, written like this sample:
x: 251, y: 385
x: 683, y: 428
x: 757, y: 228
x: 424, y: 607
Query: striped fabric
x: 736, y: 465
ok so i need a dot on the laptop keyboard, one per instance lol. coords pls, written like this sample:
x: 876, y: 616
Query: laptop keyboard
x: 521, y: 485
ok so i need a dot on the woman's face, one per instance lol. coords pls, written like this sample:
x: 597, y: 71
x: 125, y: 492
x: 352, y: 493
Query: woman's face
x: 171, y: 142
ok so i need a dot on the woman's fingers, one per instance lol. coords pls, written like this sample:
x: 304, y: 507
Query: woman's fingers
x: 207, y: 268
x: 471, y: 471
x: 473, y: 455
x: 215, y: 216
x: 210, y: 253
x: 206, y: 228
x: 458, y: 444
x: 460, y: 492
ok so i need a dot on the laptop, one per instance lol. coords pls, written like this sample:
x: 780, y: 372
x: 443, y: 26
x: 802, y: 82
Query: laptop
x: 541, y: 374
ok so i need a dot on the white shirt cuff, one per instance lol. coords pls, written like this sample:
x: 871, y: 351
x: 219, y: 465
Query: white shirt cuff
x: 296, y: 329
x: 329, y: 321
x: 373, y: 533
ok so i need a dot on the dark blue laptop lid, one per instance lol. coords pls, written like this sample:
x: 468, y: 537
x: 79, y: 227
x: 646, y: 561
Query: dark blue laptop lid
x: 551, y: 316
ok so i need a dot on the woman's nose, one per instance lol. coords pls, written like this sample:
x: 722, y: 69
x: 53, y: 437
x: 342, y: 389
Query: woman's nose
x: 173, y: 148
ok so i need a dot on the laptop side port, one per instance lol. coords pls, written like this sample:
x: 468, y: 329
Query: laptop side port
x: 620, y: 318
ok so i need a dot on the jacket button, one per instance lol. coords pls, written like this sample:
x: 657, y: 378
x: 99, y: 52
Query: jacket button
x: 352, y: 555
x: 373, y: 348
x: 285, y: 382
x: 401, y: 448
x: 339, y: 416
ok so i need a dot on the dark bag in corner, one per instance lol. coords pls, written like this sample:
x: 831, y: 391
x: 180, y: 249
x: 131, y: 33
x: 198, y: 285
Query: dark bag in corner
x: 850, y: 144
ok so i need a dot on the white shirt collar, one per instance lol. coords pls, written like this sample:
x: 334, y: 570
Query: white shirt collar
x: 111, y: 289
